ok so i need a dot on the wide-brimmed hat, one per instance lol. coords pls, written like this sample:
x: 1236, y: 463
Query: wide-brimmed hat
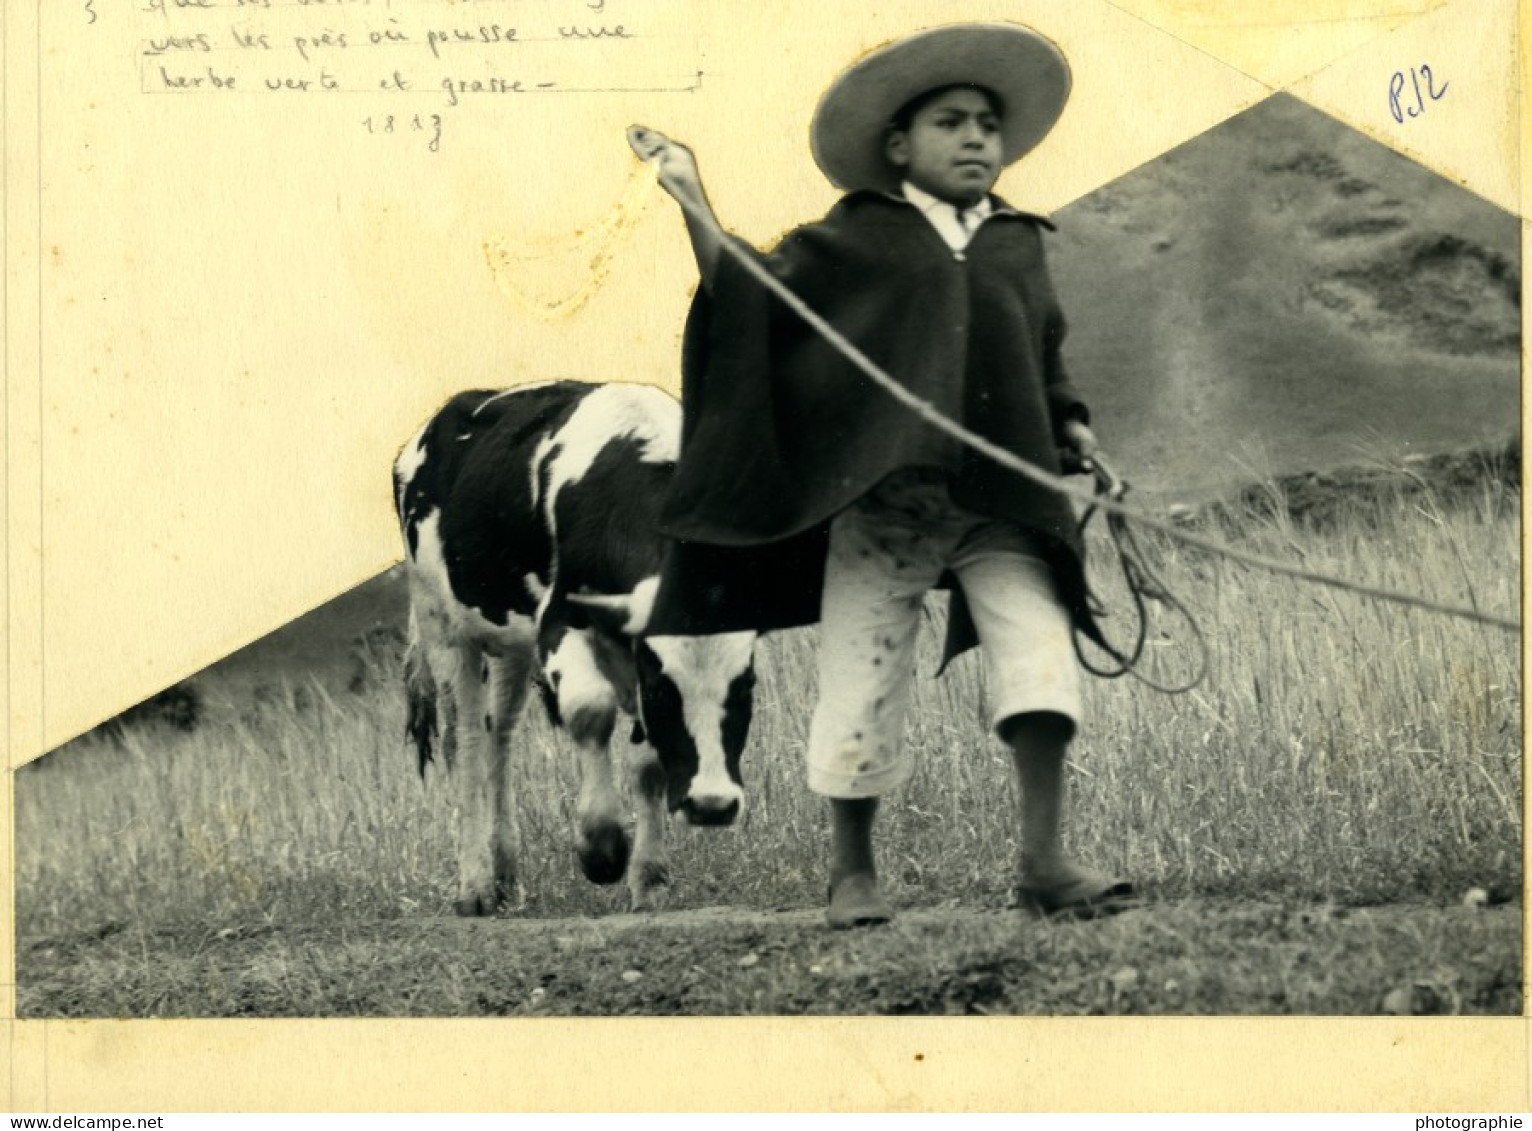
x: 1027, y: 72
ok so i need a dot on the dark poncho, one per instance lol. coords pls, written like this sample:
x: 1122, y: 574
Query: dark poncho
x: 781, y: 432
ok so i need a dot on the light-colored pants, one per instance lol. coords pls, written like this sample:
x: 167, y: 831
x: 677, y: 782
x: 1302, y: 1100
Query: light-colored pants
x: 886, y: 550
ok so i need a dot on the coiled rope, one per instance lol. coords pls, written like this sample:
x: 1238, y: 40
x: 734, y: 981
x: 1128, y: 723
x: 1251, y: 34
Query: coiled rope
x: 1143, y: 584
x: 1098, y: 500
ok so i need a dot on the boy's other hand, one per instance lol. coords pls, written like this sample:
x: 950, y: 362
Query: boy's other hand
x: 1079, y: 446
x: 676, y: 164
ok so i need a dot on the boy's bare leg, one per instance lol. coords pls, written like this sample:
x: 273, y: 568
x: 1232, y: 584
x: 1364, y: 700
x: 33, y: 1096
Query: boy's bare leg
x: 855, y: 898
x: 1039, y: 742
x: 1051, y: 882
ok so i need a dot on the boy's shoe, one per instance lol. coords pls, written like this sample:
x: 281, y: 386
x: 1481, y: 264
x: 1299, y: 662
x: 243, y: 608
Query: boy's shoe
x: 857, y: 901
x: 1088, y: 896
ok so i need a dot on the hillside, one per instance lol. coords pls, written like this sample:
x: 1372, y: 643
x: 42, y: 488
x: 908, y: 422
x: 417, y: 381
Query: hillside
x: 1282, y: 294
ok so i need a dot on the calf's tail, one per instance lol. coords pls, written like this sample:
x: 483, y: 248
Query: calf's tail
x: 421, y: 724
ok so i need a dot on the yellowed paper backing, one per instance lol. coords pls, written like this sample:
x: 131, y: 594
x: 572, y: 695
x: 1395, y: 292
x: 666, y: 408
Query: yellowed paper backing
x: 248, y: 249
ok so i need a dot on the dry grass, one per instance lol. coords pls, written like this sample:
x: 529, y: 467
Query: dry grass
x: 1342, y: 751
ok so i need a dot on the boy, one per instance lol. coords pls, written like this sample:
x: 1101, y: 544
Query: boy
x: 806, y: 493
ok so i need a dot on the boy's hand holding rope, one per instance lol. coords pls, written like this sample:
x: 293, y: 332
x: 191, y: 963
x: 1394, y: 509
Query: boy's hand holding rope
x: 678, y: 175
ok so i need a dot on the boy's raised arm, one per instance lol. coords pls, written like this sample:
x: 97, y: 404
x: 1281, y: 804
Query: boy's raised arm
x: 680, y: 178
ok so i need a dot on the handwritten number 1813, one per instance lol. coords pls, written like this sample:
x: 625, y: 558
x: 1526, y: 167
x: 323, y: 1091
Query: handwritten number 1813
x: 1423, y: 83
x: 420, y: 123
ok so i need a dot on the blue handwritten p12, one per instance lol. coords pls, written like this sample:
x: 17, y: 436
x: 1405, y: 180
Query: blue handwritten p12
x: 1399, y: 105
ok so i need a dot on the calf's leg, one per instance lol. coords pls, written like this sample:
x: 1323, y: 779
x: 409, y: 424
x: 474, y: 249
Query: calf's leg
x: 509, y: 676
x: 587, y: 705
x: 649, y: 870
x: 475, y: 778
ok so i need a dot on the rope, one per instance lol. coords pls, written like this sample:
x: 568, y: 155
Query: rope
x: 1057, y: 483
x: 1143, y: 584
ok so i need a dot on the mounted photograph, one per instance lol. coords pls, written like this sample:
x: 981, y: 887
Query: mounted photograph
x: 853, y: 569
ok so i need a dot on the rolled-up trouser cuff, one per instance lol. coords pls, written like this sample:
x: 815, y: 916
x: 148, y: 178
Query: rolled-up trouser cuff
x: 828, y: 782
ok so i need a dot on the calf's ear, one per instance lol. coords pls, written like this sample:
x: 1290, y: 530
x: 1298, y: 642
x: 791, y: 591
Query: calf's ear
x: 620, y: 613
x: 607, y: 611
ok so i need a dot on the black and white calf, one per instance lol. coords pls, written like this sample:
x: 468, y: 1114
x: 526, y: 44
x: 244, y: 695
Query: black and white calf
x: 529, y: 519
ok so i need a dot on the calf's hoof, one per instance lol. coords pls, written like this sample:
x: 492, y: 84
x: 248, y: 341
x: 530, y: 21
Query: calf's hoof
x: 508, y: 889
x: 648, y: 885
x: 478, y: 904
x: 474, y: 906
x: 603, y: 851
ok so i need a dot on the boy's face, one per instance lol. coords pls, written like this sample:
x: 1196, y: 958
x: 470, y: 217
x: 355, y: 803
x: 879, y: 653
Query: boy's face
x: 952, y: 147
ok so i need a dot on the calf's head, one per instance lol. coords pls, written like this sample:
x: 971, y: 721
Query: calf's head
x: 695, y: 696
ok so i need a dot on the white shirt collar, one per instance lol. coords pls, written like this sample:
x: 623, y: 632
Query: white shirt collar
x: 944, y: 216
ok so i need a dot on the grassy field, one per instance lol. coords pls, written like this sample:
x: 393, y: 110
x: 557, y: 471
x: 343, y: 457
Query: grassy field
x: 1307, y: 824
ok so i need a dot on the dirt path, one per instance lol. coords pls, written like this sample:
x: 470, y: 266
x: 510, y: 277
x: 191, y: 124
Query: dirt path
x: 1195, y: 957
